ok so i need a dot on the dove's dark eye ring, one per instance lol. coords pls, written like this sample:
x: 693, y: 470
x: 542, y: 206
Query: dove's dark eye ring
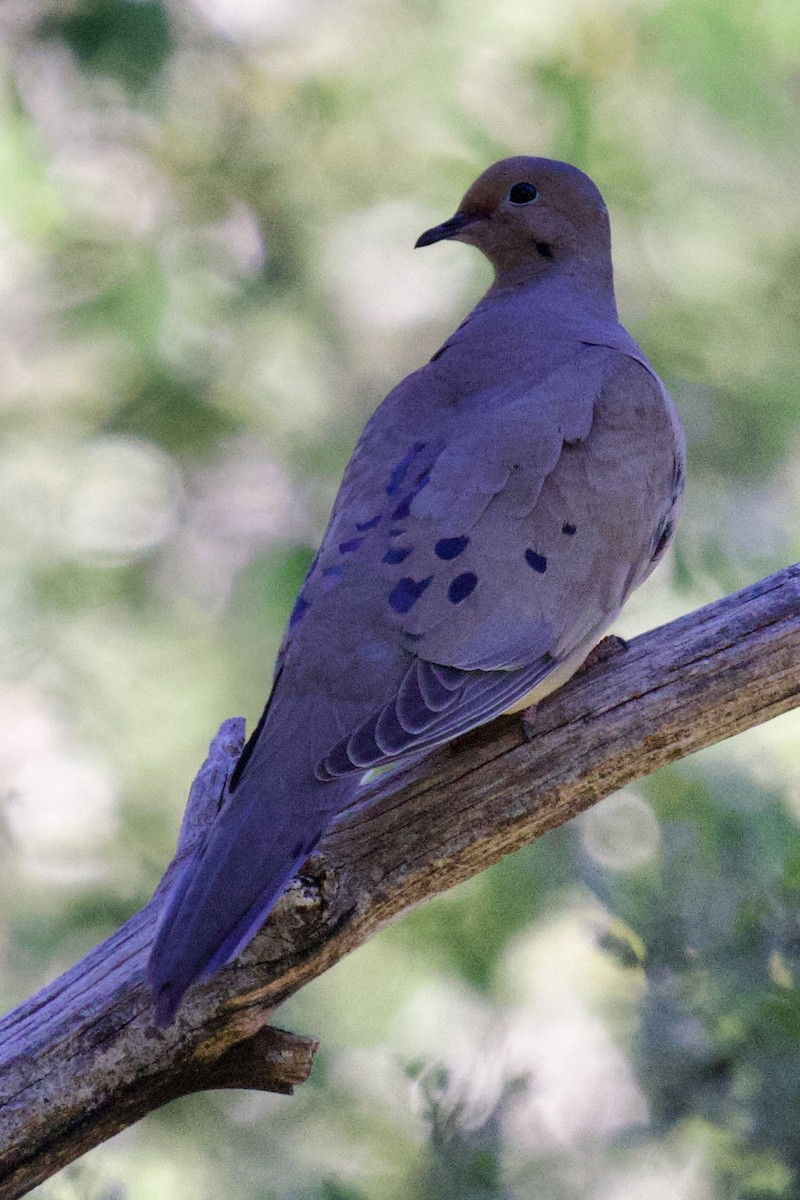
x: 523, y: 193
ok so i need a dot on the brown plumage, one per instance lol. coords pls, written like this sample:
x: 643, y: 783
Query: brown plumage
x: 500, y: 506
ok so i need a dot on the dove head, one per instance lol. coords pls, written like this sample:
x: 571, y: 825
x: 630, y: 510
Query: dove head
x: 530, y: 217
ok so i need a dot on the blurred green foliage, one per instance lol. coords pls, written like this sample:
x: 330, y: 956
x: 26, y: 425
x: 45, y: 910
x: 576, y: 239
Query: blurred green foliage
x: 127, y: 39
x: 207, y: 211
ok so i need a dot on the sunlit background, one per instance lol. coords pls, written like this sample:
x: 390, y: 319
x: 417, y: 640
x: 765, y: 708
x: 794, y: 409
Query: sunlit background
x: 207, y: 213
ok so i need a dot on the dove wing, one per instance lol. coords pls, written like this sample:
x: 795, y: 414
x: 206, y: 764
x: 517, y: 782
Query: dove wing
x: 523, y: 544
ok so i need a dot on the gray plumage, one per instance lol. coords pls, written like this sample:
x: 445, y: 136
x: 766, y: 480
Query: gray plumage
x: 501, y: 504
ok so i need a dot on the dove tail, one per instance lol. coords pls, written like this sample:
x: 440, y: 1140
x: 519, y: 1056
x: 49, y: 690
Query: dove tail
x: 224, y: 893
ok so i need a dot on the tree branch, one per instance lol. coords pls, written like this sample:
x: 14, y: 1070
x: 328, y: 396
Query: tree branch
x: 82, y: 1059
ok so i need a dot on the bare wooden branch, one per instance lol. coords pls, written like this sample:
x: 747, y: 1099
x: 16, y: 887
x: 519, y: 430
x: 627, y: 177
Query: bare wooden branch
x: 82, y: 1059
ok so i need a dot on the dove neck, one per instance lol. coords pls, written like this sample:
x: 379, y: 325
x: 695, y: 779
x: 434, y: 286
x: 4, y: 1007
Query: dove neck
x: 585, y: 285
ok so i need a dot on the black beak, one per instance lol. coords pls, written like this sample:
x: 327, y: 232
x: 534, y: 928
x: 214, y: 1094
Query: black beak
x: 447, y: 229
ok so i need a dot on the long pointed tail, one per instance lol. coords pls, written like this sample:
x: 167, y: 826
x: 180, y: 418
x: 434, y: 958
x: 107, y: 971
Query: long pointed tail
x: 223, y: 895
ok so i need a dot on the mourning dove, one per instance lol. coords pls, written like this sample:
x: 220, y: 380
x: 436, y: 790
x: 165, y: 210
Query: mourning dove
x: 501, y: 504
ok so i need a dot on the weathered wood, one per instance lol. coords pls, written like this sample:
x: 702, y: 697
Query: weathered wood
x: 82, y: 1059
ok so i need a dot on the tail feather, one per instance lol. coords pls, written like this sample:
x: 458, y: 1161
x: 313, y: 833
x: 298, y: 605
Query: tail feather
x: 223, y: 896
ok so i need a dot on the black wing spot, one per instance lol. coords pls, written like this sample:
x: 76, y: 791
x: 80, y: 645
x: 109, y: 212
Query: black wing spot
x: 569, y: 528
x: 406, y: 592
x: 448, y: 548
x: 462, y: 586
x: 363, y: 526
x: 397, y: 555
x: 349, y: 546
x: 537, y: 562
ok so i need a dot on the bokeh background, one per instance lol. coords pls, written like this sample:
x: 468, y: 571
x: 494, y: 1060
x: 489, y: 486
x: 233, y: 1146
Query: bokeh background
x: 207, y: 212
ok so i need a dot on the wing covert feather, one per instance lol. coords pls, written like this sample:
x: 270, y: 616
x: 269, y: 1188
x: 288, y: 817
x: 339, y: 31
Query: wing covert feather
x: 538, y: 582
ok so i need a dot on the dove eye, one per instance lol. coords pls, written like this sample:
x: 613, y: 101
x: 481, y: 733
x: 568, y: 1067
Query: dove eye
x: 523, y: 193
